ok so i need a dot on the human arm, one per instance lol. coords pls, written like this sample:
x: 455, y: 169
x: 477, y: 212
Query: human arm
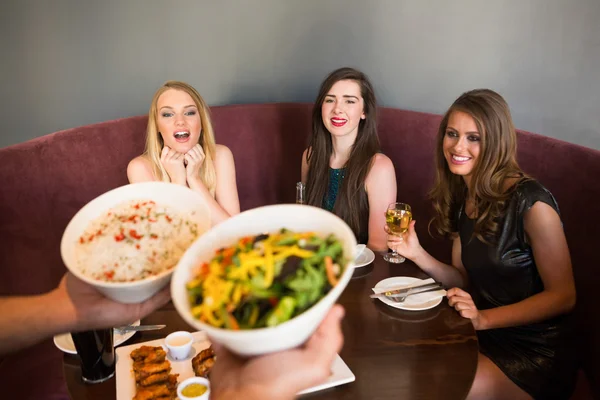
x: 139, y: 170
x: 380, y: 185
x: 408, y: 246
x: 544, y: 231
x: 72, y: 306
x: 279, y: 375
x: 226, y: 202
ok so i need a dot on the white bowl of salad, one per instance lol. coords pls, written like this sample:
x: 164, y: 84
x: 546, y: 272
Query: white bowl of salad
x: 263, y: 280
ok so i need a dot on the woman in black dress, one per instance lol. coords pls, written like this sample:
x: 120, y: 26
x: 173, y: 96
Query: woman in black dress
x: 511, y: 271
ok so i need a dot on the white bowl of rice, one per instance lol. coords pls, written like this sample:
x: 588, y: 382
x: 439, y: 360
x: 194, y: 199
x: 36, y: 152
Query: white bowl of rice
x: 268, y: 219
x: 127, y: 241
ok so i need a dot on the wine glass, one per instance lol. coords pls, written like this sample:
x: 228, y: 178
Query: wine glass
x: 397, y: 218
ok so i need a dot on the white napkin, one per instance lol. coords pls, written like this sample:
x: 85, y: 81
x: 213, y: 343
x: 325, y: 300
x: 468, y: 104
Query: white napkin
x: 359, y: 249
x: 418, y: 298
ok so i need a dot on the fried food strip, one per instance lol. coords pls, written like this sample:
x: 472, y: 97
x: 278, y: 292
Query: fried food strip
x: 151, y: 371
x: 154, y: 379
x: 203, y: 362
x: 142, y: 352
x: 152, y: 392
x: 164, y: 390
x: 148, y: 354
x: 203, y: 369
x: 204, y: 354
x: 141, y: 376
x: 156, y: 357
x: 172, y: 383
x: 148, y: 369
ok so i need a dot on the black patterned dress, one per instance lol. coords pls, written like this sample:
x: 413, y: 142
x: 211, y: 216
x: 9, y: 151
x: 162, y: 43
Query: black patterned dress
x: 538, y: 357
x: 336, y: 179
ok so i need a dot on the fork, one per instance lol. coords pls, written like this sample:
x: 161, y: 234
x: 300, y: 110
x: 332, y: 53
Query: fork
x: 400, y: 299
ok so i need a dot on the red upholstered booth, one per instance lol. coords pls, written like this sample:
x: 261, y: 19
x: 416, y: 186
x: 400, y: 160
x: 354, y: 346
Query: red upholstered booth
x: 46, y: 180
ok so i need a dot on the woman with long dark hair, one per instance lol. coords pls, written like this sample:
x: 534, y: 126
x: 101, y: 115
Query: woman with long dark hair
x: 511, y: 270
x: 343, y: 167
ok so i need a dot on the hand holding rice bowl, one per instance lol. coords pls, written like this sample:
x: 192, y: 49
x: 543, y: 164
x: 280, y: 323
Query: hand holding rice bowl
x: 127, y: 241
x: 270, y: 219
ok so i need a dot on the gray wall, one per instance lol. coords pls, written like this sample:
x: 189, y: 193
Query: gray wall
x: 67, y: 63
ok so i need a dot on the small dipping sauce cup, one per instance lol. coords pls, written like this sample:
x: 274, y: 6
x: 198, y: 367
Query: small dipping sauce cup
x: 179, y: 344
x: 196, y: 388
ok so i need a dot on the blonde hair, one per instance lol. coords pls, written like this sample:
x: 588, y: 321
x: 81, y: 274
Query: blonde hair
x: 155, y: 143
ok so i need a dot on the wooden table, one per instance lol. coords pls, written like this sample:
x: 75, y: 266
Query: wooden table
x: 394, y: 354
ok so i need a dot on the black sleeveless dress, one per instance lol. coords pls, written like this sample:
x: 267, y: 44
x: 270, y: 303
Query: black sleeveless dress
x: 539, y: 357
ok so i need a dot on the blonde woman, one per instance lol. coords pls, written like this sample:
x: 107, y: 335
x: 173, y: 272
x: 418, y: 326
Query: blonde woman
x: 180, y: 148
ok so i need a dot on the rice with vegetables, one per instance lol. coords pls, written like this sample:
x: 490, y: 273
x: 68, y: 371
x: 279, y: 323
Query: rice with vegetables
x: 134, y: 240
x: 265, y: 280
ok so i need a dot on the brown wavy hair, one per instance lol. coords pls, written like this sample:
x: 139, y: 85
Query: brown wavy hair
x: 351, y: 199
x: 495, y: 165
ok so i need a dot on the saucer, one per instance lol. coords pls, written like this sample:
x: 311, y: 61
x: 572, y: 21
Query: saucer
x: 365, y: 258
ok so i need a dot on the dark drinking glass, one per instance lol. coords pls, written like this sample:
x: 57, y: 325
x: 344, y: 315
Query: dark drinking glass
x: 97, y: 354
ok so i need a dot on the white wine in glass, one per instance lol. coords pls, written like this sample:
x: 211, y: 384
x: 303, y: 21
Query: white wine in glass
x: 397, y: 219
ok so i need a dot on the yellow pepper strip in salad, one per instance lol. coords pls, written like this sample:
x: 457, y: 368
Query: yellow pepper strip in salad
x: 249, y: 264
x: 194, y: 283
x: 236, y: 287
x: 269, y: 266
x: 237, y: 294
x: 197, y: 311
x: 210, y: 317
x: 285, y: 252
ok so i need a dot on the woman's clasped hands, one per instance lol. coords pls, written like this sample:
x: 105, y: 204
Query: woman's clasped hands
x: 183, y: 169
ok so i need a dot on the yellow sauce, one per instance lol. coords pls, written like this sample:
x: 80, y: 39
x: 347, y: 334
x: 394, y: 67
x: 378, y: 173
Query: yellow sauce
x: 193, y: 390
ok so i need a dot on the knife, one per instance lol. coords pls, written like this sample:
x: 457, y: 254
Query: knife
x: 401, y: 297
x: 405, y: 291
x: 137, y: 328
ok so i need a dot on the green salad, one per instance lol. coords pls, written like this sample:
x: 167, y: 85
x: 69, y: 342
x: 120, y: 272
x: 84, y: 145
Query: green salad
x: 265, y: 280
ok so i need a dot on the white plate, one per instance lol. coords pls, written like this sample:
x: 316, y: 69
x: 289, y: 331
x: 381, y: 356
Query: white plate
x: 340, y: 373
x: 416, y: 302
x: 65, y: 342
x: 365, y: 258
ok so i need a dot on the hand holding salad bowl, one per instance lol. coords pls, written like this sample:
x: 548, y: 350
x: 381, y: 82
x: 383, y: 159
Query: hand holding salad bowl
x: 263, y: 280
